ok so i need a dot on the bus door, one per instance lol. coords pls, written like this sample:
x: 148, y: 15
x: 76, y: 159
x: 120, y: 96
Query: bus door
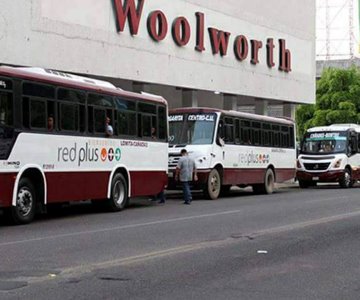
x: 231, y: 155
x: 219, y: 145
x: 353, y: 153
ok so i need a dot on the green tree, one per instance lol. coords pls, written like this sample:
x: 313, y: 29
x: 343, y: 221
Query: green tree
x: 337, y: 100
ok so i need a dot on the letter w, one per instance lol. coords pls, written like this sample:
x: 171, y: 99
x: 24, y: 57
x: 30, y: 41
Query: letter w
x: 128, y: 10
x: 219, y: 41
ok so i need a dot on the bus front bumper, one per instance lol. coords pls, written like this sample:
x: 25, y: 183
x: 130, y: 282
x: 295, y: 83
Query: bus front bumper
x: 329, y: 176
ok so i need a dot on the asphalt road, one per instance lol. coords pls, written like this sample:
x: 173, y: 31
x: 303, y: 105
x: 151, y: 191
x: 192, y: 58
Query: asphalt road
x: 294, y: 244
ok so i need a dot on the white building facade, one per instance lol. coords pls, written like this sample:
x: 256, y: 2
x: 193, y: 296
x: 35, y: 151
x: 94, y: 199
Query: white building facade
x: 225, y: 54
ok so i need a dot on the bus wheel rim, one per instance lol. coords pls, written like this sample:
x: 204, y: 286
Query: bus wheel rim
x: 119, y: 194
x: 270, y: 182
x: 24, y: 201
x: 347, y: 178
x: 214, y: 183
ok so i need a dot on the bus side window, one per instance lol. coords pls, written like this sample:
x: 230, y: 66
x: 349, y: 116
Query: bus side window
x: 26, y: 112
x: 51, y: 113
x: 246, y: 132
x: 38, y: 118
x: 115, y: 122
x: 162, y: 123
x: 69, y: 117
x: 229, y: 130
x: 292, y: 137
x: 38, y: 96
x: 126, y: 123
x: 110, y: 114
x: 229, y: 134
x: 6, y: 102
x: 146, y: 126
x: 221, y: 130
x: 99, y: 120
x: 90, y: 119
x: 266, y: 134
x: 82, y: 118
x: 237, y: 131
x: 353, y: 142
x: 147, y: 119
x: 139, y: 123
x: 154, y: 132
x: 256, y: 128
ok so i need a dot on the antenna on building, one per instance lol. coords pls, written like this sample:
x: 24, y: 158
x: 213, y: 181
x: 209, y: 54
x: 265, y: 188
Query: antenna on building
x: 336, y: 38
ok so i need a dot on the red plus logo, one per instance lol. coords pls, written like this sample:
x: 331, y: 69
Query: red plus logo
x: 111, y: 154
x: 103, y: 154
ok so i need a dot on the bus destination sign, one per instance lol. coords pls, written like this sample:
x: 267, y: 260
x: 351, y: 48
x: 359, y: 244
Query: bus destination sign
x: 206, y: 118
x: 176, y: 118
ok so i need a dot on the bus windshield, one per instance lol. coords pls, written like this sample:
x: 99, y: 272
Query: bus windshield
x: 191, y: 129
x: 325, y: 142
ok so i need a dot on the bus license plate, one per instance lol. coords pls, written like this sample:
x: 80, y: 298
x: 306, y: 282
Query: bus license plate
x: 171, y: 174
x: 315, y: 178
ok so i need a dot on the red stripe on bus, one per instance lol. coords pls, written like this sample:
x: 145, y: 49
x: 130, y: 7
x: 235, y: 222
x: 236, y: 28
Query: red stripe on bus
x: 147, y: 183
x: 7, y: 181
x: 76, y: 186
x: 251, y: 176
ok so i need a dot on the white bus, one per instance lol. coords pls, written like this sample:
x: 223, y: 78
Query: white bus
x: 53, y: 146
x: 329, y: 154
x: 232, y: 149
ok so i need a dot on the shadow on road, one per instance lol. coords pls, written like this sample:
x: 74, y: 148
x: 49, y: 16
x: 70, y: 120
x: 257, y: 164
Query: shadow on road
x: 88, y: 208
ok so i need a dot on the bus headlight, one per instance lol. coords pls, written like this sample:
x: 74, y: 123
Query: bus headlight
x: 337, y: 164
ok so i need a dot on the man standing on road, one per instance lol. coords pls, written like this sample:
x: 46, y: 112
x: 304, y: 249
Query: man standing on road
x: 185, y: 170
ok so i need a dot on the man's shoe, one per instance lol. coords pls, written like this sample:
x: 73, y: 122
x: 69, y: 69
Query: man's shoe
x: 188, y: 203
x: 161, y: 202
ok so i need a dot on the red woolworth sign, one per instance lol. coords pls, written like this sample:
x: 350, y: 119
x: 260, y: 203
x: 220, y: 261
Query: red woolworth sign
x: 158, y: 28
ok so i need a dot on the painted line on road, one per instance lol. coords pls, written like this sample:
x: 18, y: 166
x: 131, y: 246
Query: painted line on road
x: 142, y: 258
x: 270, y: 230
x: 64, y: 235
x: 81, y: 270
x: 88, y: 268
x: 302, y: 225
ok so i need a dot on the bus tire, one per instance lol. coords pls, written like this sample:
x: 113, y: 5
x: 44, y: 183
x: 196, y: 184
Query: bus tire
x: 212, y: 188
x: 346, y: 180
x: 304, y: 184
x: 24, y: 210
x: 258, y: 189
x: 269, y: 183
x: 225, y: 190
x: 119, y: 193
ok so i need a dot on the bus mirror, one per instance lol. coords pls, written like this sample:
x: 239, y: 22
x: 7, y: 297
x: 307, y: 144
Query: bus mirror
x: 220, y: 141
x: 354, y: 148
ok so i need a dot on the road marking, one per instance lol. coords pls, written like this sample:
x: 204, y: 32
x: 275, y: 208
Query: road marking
x: 88, y: 268
x: 120, y: 227
x: 279, y: 229
x: 305, y: 224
